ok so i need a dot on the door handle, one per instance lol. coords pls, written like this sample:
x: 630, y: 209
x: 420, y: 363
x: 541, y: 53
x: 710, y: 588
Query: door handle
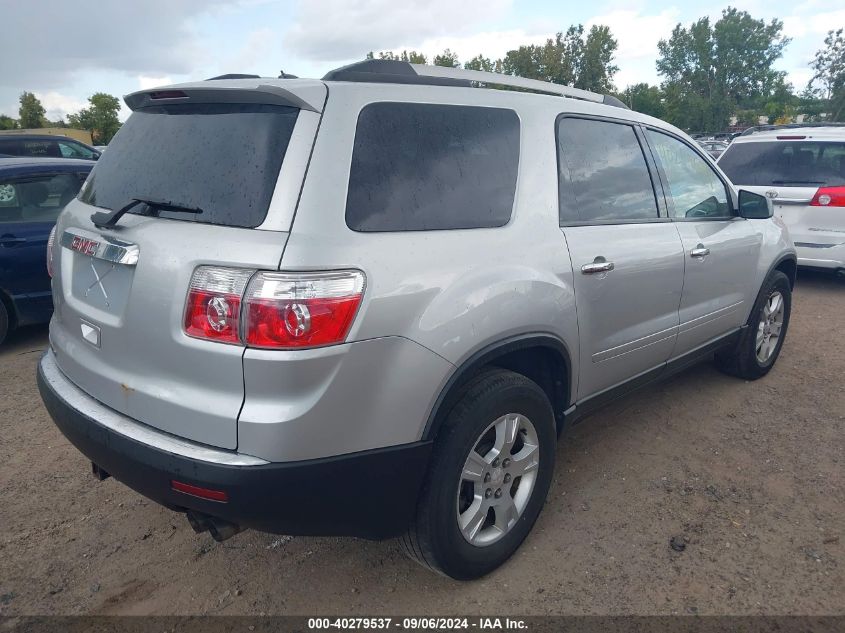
x: 599, y: 265
x: 699, y: 252
x: 11, y: 240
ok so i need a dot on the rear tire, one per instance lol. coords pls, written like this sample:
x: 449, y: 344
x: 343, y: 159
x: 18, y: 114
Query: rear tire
x: 4, y: 322
x: 501, y: 432
x: 757, y: 349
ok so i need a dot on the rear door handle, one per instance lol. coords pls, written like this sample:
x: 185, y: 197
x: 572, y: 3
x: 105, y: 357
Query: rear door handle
x: 699, y: 252
x: 598, y: 266
x: 11, y: 240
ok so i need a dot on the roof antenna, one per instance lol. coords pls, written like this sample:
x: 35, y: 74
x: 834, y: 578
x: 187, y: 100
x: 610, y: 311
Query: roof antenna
x: 283, y: 75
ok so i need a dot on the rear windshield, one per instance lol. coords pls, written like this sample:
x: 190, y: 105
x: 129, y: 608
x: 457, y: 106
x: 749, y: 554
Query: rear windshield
x: 221, y: 158
x: 797, y: 163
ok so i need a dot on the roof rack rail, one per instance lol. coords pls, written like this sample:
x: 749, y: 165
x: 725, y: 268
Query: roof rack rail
x: 394, y: 71
x: 234, y: 76
x: 788, y: 126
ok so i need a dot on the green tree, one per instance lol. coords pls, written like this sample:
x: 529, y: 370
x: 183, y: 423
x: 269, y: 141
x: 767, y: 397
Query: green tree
x: 828, y: 82
x: 100, y: 118
x: 485, y: 64
x: 596, y: 67
x: 412, y: 57
x: 711, y: 70
x: 31, y: 111
x: 569, y: 58
x: 7, y: 122
x: 782, y: 105
x: 644, y: 98
x: 447, y: 58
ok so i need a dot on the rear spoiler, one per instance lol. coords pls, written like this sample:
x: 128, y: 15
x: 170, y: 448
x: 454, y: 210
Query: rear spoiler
x: 311, y: 96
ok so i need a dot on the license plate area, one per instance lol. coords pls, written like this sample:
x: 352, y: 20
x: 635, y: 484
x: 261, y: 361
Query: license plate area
x: 101, y: 284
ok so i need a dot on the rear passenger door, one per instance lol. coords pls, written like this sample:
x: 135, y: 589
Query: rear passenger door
x: 627, y: 257
x: 721, y: 249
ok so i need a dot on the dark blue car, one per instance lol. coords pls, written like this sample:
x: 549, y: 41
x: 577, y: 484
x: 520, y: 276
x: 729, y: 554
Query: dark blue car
x: 32, y: 193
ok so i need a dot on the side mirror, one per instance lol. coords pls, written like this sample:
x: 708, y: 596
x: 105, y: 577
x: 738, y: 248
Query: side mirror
x: 753, y: 206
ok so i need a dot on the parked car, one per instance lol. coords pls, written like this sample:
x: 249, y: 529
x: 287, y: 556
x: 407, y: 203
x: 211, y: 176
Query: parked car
x: 801, y: 168
x: 714, y: 148
x: 46, y: 146
x: 371, y: 330
x: 32, y: 193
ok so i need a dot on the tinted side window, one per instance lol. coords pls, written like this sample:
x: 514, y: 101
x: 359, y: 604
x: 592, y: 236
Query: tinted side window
x: 695, y: 189
x: 602, y: 172
x: 418, y: 167
x: 10, y: 147
x: 37, y: 198
x: 41, y: 148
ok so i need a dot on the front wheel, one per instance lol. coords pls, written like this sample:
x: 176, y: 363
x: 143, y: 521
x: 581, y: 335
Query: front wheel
x: 760, y: 344
x: 488, y: 479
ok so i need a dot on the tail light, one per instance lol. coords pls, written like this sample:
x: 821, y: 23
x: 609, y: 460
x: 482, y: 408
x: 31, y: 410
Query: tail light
x: 829, y: 197
x: 286, y: 310
x: 50, y: 241
x: 214, y: 303
x: 270, y: 309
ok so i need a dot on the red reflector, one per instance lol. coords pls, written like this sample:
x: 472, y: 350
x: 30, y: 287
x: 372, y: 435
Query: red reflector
x: 168, y: 94
x: 197, y: 491
x: 791, y: 138
x: 829, y: 197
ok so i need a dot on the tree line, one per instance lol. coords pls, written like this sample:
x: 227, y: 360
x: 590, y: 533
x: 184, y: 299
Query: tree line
x: 711, y: 71
x: 100, y: 118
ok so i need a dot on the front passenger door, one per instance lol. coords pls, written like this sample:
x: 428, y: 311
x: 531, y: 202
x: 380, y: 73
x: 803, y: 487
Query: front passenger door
x: 721, y: 249
x: 627, y: 260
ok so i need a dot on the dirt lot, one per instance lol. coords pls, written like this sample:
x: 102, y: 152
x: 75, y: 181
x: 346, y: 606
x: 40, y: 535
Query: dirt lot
x: 751, y: 474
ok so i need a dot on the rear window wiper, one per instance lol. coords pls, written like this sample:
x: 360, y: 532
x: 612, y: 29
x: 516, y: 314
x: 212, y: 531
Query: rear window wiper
x: 797, y: 182
x: 105, y: 220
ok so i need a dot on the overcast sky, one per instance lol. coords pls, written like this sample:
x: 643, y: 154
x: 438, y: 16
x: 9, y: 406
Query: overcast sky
x: 66, y: 50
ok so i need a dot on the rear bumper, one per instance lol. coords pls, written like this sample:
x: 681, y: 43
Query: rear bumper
x: 371, y: 494
x: 820, y: 255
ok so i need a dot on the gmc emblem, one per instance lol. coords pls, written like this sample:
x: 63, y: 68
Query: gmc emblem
x: 84, y: 245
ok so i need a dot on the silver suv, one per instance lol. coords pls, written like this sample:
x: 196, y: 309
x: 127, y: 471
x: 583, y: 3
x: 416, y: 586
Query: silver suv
x: 369, y: 305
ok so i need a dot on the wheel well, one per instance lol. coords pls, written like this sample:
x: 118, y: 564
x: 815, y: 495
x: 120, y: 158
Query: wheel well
x: 542, y: 361
x: 788, y: 267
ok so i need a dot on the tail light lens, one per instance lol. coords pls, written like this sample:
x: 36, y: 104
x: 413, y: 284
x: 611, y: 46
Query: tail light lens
x: 272, y: 310
x: 214, y: 303
x: 287, y: 310
x: 829, y: 197
x: 50, y: 241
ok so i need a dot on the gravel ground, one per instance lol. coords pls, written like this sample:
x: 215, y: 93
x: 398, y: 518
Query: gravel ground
x: 747, y: 476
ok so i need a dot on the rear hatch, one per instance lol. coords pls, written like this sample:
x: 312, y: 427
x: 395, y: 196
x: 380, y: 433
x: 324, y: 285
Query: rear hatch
x: 236, y: 151
x: 791, y: 171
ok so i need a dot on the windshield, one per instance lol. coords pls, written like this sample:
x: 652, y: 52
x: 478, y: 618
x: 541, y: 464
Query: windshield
x: 790, y: 163
x: 222, y: 158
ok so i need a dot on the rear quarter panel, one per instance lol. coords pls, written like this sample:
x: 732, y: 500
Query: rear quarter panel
x: 456, y: 291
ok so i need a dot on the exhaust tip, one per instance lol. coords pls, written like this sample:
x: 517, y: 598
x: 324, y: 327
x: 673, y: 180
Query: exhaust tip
x: 100, y: 474
x: 219, y: 529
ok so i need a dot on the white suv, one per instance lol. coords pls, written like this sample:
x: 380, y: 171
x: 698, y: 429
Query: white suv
x: 802, y: 169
